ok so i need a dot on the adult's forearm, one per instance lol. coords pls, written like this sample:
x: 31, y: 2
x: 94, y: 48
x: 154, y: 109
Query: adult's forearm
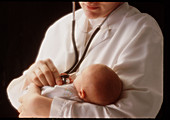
x: 42, y: 106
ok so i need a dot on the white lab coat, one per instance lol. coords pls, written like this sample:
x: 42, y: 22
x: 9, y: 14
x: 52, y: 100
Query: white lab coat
x: 129, y: 42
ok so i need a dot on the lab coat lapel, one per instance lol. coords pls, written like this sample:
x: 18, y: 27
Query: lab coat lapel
x: 100, y: 37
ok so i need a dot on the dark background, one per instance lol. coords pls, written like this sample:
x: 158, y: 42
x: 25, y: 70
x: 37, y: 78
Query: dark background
x: 22, y: 28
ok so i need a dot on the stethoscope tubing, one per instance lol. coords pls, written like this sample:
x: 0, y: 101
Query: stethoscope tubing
x: 73, y: 40
x: 77, y: 62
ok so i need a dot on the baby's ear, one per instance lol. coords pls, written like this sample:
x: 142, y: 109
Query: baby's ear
x: 82, y: 94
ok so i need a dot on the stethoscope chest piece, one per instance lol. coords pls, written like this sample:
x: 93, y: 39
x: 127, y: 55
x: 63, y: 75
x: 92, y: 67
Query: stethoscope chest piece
x: 65, y: 78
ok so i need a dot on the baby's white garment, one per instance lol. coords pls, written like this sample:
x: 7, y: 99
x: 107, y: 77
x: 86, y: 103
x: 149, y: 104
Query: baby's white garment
x: 67, y: 91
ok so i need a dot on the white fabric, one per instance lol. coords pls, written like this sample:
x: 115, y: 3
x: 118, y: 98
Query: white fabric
x: 129, y: 42
x: 67, y: 91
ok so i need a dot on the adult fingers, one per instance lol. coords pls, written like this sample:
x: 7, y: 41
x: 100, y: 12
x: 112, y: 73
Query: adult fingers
x: 35, y: 79
x: 44, y: 72
x: 54, y: 71
x: 47, y: 73
x: 31, y: 75
x: 39, y: 76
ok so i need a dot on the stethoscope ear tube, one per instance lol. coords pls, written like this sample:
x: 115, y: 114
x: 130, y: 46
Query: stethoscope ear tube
x: 73, y: 41
x: 74, y: 8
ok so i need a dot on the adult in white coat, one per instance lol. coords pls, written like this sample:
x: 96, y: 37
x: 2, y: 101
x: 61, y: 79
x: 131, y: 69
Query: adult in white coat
x: 130, y: 42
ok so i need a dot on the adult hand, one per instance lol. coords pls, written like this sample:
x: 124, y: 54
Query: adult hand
x: 33, y: 104
x: 43, y: 73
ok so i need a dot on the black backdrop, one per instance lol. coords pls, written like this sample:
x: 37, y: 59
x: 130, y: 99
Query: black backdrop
x: 22, y: 28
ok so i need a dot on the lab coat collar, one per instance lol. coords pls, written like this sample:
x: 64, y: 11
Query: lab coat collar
x: 116, y: 15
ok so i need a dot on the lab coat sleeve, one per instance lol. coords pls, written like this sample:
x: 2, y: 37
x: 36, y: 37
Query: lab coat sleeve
x: 14, y: 91
x: 140, y: 68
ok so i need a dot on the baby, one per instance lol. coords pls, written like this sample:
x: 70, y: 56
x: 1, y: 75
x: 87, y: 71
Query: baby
x: 97, y: 84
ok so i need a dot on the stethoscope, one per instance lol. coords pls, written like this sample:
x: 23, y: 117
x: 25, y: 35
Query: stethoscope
x: 77, y: 62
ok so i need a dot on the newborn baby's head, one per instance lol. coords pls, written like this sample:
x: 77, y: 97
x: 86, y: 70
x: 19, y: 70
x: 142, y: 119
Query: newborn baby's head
x: 98, y: 84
